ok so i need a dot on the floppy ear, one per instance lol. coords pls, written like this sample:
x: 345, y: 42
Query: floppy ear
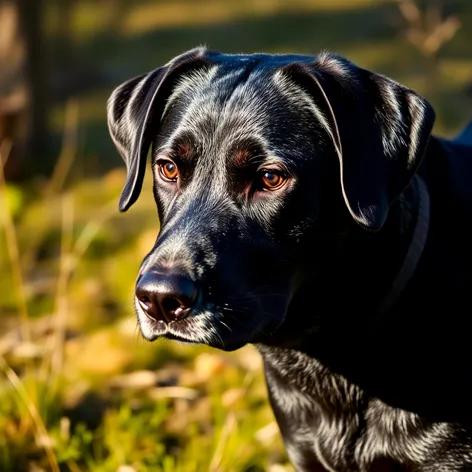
x: 134, y: 111
x: 379, y: 128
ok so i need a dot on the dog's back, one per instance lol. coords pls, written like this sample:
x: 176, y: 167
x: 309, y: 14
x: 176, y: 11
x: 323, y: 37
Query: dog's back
x: 455, y: 168
x: 465, y: 137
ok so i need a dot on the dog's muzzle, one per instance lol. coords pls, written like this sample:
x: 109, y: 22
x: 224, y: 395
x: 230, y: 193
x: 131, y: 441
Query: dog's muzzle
x: 166, y: 297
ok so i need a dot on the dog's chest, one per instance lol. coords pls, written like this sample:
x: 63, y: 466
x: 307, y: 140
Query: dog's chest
x: 324, y: 417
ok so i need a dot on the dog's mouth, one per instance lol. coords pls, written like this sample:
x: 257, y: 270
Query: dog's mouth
x: 222, y: 328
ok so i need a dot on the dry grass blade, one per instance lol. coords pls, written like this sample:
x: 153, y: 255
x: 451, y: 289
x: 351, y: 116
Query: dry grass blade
x: 229, y: 425
x: 184, y: 393
x: 410, y: 11
x: 60, y: 172
x: 12, y: 245
x: 427, y: 30
x: 41, y: 431
x: 71, y: 254
x: 65, y: 271
x: 53, y: 360
x: 86, y: 236
x: 444, y: 32
x: 68, y: 149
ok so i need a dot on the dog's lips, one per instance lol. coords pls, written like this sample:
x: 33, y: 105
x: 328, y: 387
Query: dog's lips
x: 185, y: 331
x: 199, y: 328
x: 178, y: 330
x: 192, y: 329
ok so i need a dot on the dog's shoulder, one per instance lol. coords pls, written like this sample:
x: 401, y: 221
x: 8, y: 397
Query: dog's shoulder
x: 322, y: 414
x: 316, y: 417
x: 448, y: 163
x: 465, y: 136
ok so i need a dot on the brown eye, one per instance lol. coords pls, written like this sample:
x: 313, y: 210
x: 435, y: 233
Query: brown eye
x: 168, y: 171
x: 272, y: 180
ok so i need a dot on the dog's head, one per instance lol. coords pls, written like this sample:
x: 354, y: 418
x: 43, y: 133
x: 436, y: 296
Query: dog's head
x: 259, y: 162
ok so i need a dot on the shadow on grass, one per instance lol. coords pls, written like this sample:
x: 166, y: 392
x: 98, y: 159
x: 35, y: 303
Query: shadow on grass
x: 351, y: 33
x: 302, y: 31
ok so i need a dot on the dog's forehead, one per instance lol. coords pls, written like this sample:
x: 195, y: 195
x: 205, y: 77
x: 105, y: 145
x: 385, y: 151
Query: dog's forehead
x: 224, y: 87
x: 228, y: 74
x: 238, y: 97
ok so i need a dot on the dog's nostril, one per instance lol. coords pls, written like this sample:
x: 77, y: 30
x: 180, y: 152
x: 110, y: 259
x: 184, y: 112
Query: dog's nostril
x: 144, y: 299
x: 170, y: 304
x: 166, y: 297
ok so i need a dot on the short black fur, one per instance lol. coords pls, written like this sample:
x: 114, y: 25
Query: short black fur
x: 302, y: 271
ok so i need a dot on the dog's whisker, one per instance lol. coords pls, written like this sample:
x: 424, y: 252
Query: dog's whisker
x: 224, y: 324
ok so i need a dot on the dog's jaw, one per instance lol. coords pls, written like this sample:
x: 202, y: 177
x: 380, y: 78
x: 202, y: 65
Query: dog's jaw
x: 209, y: 327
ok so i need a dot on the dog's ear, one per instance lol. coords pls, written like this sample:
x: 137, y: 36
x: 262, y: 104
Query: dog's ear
x: 379, y: 128
x: 134, y: 111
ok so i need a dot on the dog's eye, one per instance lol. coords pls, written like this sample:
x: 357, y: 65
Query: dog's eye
x: 271, y: 180
x: 168, y: 171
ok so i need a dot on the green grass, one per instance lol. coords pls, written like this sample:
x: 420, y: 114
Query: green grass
x: 79, y: 389
x: 65, y: 387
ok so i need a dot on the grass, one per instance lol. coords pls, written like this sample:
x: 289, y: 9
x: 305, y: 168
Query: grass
x: 79, y: 389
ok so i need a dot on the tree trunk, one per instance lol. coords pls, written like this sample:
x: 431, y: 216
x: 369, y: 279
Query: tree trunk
x: 32, y: 29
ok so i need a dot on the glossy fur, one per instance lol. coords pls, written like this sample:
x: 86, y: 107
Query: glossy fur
x: 302, y: 271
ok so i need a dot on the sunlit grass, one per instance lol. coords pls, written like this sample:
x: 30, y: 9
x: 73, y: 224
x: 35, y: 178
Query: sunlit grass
x: 79, y: 389
x: 149, y: 16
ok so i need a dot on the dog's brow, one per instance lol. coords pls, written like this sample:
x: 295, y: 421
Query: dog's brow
x: 241, y: 157
x: 273, y: 160
x: 245, y: 158
x: 246, y: 152
x: 181, y: 148
x: 184, y: 149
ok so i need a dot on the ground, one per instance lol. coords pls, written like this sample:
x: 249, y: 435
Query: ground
x: 79, y: 389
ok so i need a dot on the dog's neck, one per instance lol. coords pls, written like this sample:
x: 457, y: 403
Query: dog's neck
x: 416, y: 247
x: 360, y: 277
x: 385, y: 262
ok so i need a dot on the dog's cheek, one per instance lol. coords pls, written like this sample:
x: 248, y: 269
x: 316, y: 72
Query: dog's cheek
x: 163, y: 199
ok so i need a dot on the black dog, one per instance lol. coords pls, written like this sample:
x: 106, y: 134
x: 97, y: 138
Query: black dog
x: 306, y: 208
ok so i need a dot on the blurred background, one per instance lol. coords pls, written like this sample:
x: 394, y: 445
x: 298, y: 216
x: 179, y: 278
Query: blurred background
x: 79, y: 389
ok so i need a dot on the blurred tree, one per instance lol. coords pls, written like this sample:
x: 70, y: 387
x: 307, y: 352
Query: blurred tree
x: 31, y: 24
x: 64, y: 31
x: 23, y: 90
x: 12, y: 90
x: 72, y: 73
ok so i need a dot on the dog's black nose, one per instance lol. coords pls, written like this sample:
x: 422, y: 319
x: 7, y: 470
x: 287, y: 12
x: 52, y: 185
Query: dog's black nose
x: 166, y: 297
